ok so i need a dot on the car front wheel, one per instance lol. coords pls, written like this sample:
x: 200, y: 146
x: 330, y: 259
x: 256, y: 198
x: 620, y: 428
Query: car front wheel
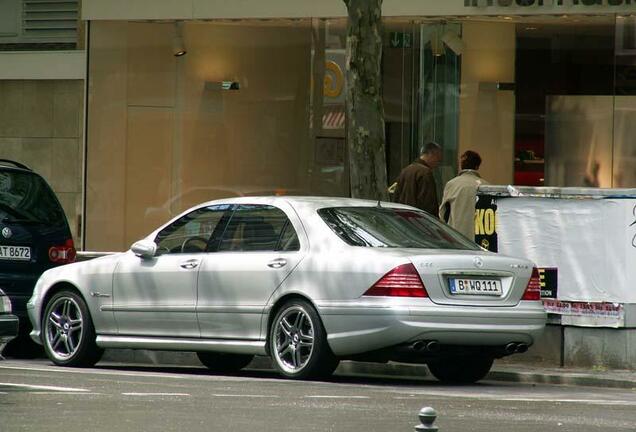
x: 460, y: 370
x: 68, y: 332
x: 298, y: 342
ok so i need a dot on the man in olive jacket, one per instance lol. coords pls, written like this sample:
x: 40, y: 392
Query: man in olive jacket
x: 458, y: 203
x: 416, y: 185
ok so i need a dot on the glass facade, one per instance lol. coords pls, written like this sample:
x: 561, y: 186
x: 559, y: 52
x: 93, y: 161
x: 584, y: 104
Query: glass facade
x: 257, y: 107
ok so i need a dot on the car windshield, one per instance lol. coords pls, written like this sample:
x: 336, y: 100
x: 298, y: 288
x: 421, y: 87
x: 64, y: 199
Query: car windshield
x: 26, y: 198
x: 392, y: 228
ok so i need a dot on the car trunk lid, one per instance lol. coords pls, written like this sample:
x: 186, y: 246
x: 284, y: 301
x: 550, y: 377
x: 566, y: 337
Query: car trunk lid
x: 472, y: 278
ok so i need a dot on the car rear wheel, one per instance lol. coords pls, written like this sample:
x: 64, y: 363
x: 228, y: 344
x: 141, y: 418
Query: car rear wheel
x: 298, y: 342
x: 68, y: 332
x: 460, y: 370
x: 222, y: 362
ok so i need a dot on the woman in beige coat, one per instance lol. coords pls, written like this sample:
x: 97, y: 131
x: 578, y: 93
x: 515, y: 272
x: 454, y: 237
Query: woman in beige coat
x: 460, y: 194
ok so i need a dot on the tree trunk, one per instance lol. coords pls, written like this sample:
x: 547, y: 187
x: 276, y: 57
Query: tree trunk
x: 365, y: 113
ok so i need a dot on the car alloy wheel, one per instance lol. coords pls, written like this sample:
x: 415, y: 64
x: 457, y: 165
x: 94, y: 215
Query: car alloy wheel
x: 294, y: 339
x: 69, y: 336
x: 298, y: 342
x: 64, y: 327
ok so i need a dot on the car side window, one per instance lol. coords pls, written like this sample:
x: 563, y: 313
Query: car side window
x: 193, y: 232
x: 289, y: 239
x: 257, y: 228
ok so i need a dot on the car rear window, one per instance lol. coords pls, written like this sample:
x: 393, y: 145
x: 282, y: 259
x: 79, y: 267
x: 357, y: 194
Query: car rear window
x: 392, y: 228
x: 26, y: 198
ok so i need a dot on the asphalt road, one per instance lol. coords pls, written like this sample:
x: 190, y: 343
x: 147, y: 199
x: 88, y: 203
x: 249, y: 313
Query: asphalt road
x: 36, y: 396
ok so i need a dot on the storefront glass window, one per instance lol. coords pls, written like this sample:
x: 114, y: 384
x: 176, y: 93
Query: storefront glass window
x: 565, y: 98
x: 624, y: 150
x: 257, y: 107
x: 546, y: 100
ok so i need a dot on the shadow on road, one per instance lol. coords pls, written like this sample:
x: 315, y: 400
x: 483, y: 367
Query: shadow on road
x: 272, y: 375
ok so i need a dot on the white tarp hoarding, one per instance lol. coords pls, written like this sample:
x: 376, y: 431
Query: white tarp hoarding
x: 591, y: 242
x: 582, y: 240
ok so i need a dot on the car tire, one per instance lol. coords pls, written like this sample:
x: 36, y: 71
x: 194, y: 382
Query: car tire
x: 298, y: 342
x: 68, y: 334
x: 223, y: 362
x: 23, y: 347
x: 460, y: 370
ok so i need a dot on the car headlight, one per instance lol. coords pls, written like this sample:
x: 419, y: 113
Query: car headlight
x: 6, y: 303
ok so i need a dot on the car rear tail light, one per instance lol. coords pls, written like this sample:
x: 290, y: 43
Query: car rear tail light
x: 6, y: 303
x: 402, y: 281
x: 63, y: 254
x: 533, y: 290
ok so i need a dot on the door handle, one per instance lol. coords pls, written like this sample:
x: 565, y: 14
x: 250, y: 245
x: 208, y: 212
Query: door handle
x: 189, y: 264
x: 277, y: 263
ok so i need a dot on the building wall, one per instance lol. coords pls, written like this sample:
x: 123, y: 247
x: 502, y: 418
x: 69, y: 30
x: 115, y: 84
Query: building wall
x: 41, y: 124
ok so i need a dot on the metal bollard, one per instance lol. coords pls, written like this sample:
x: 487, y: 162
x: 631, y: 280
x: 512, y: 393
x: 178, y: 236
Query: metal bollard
x: 427, y: 418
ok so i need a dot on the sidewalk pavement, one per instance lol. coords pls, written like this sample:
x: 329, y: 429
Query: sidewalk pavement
x: 503, y: 371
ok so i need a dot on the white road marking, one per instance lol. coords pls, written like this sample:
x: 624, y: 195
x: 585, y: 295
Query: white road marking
x: 465, y: 394
x: 41, y: 387
x: 136, y: 373
x: 335, y: 397
x: 244, y: 395
x: 155, y: 394
x: 63, y: 393
x: 564, y: 400
x: 109, y: 372
x: 608, y: 402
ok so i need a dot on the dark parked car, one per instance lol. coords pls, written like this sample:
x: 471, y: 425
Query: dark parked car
x: 34, y: 236
x: 8, y: 322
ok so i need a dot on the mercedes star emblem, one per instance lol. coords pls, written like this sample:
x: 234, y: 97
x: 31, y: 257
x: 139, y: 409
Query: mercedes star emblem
x: 478, y: 262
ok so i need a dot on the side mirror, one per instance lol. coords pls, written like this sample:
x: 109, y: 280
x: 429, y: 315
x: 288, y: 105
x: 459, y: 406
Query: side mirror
x: 145, y: 249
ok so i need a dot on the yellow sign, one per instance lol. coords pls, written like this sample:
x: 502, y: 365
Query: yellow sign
x: 334, y: 79
x: 485, y: 222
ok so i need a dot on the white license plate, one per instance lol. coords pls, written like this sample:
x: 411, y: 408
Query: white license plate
x: 474, y: 286
x: 15, y: 253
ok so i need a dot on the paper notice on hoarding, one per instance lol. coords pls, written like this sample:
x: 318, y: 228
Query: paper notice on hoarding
x: 612, y: 310
x: 587, y: 314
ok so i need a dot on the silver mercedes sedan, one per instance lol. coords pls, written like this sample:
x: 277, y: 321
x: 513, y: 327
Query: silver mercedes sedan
x: 308, y: 281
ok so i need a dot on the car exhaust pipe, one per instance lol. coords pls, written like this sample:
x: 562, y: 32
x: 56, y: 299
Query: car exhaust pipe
x: 511, y: 348
x: 432, y: 346
x: 425, y: 346
x: 418, y: 346
x: 521, y: 348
